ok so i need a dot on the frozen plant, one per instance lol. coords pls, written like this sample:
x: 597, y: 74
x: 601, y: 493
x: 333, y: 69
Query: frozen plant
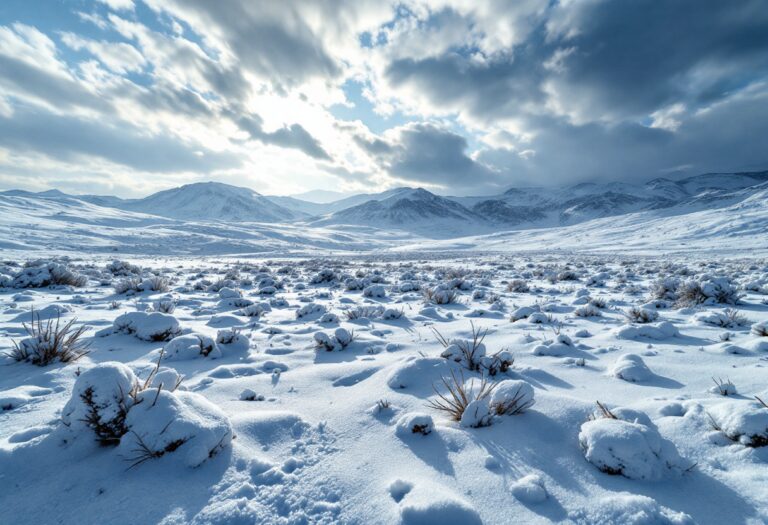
x: 463, y: 402
x: 723, y: 387
x: 166, y: 306
x: 39, y: 274
x: 50, y: 341
x: 760, y: 329
x: 640, y: 315
x: 518, y: 286
x: 511, y: 397
x: 440, y: 294
x: 588, y: 310
x: 340, y: 339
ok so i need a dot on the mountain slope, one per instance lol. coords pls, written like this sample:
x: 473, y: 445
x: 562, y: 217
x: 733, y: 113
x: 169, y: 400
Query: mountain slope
x: 211, y: 201
x: 414, y: 210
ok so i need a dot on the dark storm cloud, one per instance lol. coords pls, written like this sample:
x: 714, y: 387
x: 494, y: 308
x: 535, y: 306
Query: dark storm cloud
x: 428, y: 154
x: 67, y: 138
x: 294, y: 136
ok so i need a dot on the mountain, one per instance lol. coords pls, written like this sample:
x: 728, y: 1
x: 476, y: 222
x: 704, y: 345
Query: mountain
x: 410, y: 209
x: 210, y: 201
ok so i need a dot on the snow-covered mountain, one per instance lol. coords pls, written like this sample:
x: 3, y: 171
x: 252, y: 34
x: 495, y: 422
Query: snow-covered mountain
x: 215, y: 209
x: 211, y: 201
x: 411, y: 209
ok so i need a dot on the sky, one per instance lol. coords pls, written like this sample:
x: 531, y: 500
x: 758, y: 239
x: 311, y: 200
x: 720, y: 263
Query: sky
x: 462, y: 97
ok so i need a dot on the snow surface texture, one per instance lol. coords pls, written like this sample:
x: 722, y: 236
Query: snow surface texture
x: 280, y: 391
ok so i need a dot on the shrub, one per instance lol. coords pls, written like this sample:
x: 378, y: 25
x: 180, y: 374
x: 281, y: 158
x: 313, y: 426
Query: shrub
x: 340, y: 339
x: 166, y: 306
x: 364, y: 312
x: 440, y: 295
x: 723, y: 387
x: 518, y: 286
x: 588, y: 310
x: 760, y: 329
x: 50, y: 341
x: 464, y: 403
x: 511, y: 397
x: 467, y: 352
x: 640, y: 315
x: 39, y: 274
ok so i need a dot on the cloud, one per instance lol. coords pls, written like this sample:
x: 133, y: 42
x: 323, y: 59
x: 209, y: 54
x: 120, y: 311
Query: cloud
x: 425, y: 153
x: 71, y: 138
x: 293, y: 136
x: 117, y: 56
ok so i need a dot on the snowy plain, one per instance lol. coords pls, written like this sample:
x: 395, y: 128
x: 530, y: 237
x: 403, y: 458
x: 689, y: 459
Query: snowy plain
x: 274, y: 373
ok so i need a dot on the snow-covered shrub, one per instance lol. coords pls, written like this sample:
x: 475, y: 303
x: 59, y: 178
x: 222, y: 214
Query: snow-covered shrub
x: 511, y: 396
x: 518, y: 286
x: 250, y: 395
x: 39, y: 274
x: 414, y: 423
x: 101, y: 398
x: 641, y: 315
x: 659, y: 331
x: 50, y: 341
x: 391, y: 314
x: 340, y: 339
x: 628, y: 509
x: 468, y: 352
x: 723, y: 387
x: 745, y: 422
x: 364, y: 312
x: 254, y: 310
x: 728, y: 318
x: 123, y: 268
x: 523, y: 313
x: 760, y: 329
x: 633, y: 449
x: 497, y: 363
x: 329, y: 318
x: 588, y: 310
x: 180, y: 423
x: 155, y: 283
x: 632, y: 368
x: 323, y: 277
x: 440, y: 294
x: 147, y: 420
x: 191, y: 346
x: 154, y: 326
x: 353, y: 285
x: 375, y: 291
x: 310, y: 309
x: 233, y: 339
x: 463, y: 402
x: 127, y: 285
x: 707, y: 290
x: 165, y: 306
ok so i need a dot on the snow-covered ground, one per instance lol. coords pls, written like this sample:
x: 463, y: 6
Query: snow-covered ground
x: 310, y: 387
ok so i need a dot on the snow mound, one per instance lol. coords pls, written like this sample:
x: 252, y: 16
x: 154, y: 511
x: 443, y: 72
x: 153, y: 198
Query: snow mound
x: 629, y: 509
x: 744, y: 422
x: 512, y: 396
x: 633, y: 450
x: 414, y: 423
x: 415, y: 371
x: 100, y: 401
x: 182, y: 423
x: 154, y: 326
x: 658, y: 331
x: 632, y: 368
x: 191, y: 346
x: 529, y: 489
x: 429, y: 503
